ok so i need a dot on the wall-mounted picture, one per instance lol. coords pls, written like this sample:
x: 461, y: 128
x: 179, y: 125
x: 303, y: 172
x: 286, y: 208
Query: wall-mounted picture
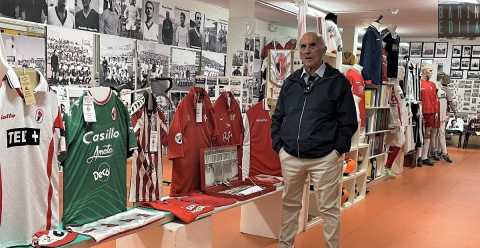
x: 455, y: 65
x: 213, y: 64
x: 476, y: 51
x: 86, y: 15
x: 222, y: 32
x: 62, y: 13
x: 456, y: 51
x: 150, y: 19
x: 428, y: 49
x: 465, y: 65
x: 426, y: 62
x: 473, y: 74
x: 466, y: 51
x: 166, y: 22
x: 33, y: 11
x: 117, y: 61
x: 195, y: 33
x: 404, y: 49
x: 182, y: 25
x: 416, y: 49
x: 185, y: 66
x: 475, y: 64
x: 153, y: 61
x: 441, y: 49
x: 23, y: 51
x: 456, y: 74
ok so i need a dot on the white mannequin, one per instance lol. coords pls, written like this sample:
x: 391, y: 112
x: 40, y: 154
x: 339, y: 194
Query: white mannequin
x: 430, y: 133
x: 100, y: 94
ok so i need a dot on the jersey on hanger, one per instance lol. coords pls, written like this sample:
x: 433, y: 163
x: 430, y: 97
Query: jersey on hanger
x: 95, y: 164
x: 151, y: 131
x: 358, y: 86
x: 193, y: 128
x: 258, y: 155
x: 28, y: 164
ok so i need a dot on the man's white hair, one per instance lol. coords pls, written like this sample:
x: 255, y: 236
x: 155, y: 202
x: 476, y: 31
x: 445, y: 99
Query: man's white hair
x: 318, y: 37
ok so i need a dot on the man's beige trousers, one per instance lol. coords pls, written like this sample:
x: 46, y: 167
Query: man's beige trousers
x: 325, y: 174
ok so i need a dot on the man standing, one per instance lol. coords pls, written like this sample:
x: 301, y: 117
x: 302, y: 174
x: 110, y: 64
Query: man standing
x: 150, y: 28
x: 87, y: 18
x: 313, y: 124
x: 194, y: 33
x: 167, y: 30
x: 54, y: 63
x: 59, y: 16
x: 181, y: 35
x: 131, y: 14
x: 110, y: 19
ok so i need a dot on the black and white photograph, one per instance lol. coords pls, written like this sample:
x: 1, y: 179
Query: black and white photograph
x: 466, y: 51
x: 473, y: 74
x: 86, y: 15
x: 153, y: 61
x: 257, y: 47
x: 456, y: 51
x: 222, y: 36
x: 110, y: 17
x: 456, y: 62
x: 238, y: 58
x: 249, y: 44
x: 23, y: 51
x: 404, y: 49
x: 475, y: 64
x: 184, y: 67
x: 476, y: 51
x: 456, y: 74
x: 195, y: 33
x: 131, y: 18
x: 428, y: 49
x: 62, y: 13
x: 166, y: 21
x: 416, y: 49
x: 32, y: 11
x: 210, y: 34
x: 441, y: 49
x: 182, y: 24
x: 213, y: 64
x: 426, y: 62
x: 177, y: 96
x: 465, y: 64
x: 117, y: 62
x: 223, y: 81
x: 150, y: 19
x: 70, y: 57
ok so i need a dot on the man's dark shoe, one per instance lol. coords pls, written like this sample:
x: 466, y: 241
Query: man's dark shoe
x: 419, y: 162
x: 428, y: 162
x: 447, y: 158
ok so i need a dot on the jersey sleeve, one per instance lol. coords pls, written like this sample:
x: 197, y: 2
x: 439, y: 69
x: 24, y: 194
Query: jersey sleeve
x: 131, y: 137
x: 72, y: 124
x: 162, y: 120
x: 246, y: 148
x: 175, y: 135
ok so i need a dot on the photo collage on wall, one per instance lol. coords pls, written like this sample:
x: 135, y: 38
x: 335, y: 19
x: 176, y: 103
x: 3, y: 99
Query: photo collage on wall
x: 465, y: 58
x: 467, y: 94
x: 424, y: 49
x: 247, y: 62
x: 117, y: 62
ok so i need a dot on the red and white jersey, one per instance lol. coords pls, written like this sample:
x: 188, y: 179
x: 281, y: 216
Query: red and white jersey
x: 209, y: 200
x: 119, y: 223
x: 186, y: 211
x: 151, y: 132
x: 358, y: 86
x: 193, y: 128
x: 29, y: 170
x: 258, y: 155
x: 229, y: 119
x: 428, y: 95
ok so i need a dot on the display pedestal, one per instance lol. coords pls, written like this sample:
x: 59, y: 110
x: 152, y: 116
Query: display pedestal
x: 262, y: 217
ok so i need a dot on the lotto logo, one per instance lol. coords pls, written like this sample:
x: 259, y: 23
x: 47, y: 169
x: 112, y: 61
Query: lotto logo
x: 23, y: 137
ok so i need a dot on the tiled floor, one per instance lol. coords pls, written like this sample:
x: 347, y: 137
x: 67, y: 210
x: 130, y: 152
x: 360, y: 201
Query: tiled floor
x: 425, y: 207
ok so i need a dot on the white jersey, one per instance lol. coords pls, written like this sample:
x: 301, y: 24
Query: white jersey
x: 28, y: 165
x: 181, y: 36
x: 120, y: 223
x: 53, y: 19
x: 150, y: 33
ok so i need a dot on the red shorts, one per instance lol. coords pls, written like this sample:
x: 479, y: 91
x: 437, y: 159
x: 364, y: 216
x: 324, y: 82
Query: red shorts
x: 431, y: 120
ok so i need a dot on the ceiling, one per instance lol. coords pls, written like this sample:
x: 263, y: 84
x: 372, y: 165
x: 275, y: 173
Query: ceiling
x: 414, y: 19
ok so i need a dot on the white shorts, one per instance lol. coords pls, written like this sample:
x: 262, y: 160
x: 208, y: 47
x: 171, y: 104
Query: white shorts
x: 130, y: 25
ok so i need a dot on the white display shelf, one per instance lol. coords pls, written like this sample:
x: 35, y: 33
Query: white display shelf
x: 361, y: 172
x: 378, y: 155
x: 377, y: 132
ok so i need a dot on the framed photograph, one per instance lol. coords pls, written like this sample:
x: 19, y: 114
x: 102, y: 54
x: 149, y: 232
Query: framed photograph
x: 465, y: 64
x: 456, y: 74
x: 455, y: 64
x: 416, y: 49
x: 475, y: 64
x: 428, y: 49
x: 456, y: 51
x: 404, y: 49
x: 476, y: 51
x: 441, y: 49
x: 426, y: 62
x: 473, y: 74
x: 466, y: 51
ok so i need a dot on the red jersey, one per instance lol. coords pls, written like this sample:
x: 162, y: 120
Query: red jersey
x: 229, y: 119
x: 258, y: 155
x: 270, y: 45
x: 193, y: 128
x: 428, y: 95
x: 358, y: 85
x: 291, y: 44
x: 209, y: 200
x: 186, y: 211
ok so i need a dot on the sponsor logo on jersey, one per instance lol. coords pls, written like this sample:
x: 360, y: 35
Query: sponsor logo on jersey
x: 105, y: 151
x: 114, y: 113
x: 23, y: 137
x: 39, y: 115
x: 262, y: 120
x: 179, y: 138
x: 195, y: 208
x: 227, y: 136
x: 108, y: 134
x: 137, y: 105
x: 102, y: 173
x: 7, y: 116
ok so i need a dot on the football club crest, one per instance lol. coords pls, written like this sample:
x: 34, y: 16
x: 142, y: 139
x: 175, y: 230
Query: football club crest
x: 179, y: 138
x: 39, y: 115
x: 114, y: 113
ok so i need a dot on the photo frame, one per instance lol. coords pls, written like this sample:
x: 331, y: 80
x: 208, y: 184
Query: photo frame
x: 456, y: 51
x: 426, y: 62
x: 475, y: 51
x: 456, y: 74
x: 404, y: 49
x: 466, y: 51
x: 473, y: 74
x: 455, y: 63
x: 428, y: 49
x: 475, y: 64
x: 416, y: 49
x: 465, y: 64
x: 441, y: 49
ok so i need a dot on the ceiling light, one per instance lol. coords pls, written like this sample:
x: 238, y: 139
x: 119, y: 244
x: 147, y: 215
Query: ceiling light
x: 394, y: 11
